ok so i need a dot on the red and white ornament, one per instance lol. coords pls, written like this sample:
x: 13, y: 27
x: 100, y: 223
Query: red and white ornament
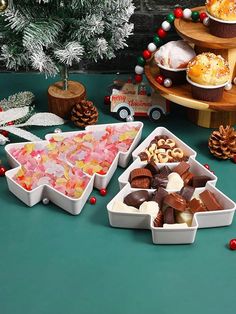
x: 152, y: 47
x: 147, y: 54
x: 138, y: 69
x: 167, y: 82
x: 161, y: 33
x: 206, y: 21
x: 178, y: 12
x: 166, y: 26
x: 228, y: 86
x: 187, y: 13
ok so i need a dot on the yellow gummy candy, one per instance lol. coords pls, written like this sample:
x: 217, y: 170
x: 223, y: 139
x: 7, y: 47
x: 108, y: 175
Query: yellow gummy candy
x: 61, y: 181
x: 79, y: 164
x: 29, y: 147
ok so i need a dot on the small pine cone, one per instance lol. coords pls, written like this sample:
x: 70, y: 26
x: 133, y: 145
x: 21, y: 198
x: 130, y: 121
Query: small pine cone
x: 159, y: 220
x: 84, y: 113
x: 222, y: 143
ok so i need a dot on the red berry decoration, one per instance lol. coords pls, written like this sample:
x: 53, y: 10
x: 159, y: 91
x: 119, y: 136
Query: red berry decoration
x: 161, y: 33
x: 4, y: 133
x: 138, y: 78
x: 202, y: 16
x: 178, y: 12
x: 1, y: 109
x: 159, y: 79
x: 107, y: 100
x: 207, y: 166
x: 92, y: 200
x: 147, y: 54
x: 10, y: 123
x: 232, y: 244
x: 2, y: 171
x: 103, y: 192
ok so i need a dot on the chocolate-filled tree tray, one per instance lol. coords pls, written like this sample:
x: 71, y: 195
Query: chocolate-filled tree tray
x: 139, y: 207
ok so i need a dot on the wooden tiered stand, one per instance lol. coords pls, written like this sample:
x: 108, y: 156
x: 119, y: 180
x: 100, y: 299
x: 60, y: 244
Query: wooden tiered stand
x: 202, y: 113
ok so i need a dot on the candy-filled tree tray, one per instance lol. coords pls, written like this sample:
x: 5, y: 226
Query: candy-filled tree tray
x: 66, y: 166
x: 172, y: 199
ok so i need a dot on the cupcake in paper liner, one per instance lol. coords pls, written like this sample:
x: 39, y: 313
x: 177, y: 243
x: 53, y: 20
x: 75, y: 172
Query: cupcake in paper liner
x: 172, y: 59
x: 222, y: 14
x: 208, y: 74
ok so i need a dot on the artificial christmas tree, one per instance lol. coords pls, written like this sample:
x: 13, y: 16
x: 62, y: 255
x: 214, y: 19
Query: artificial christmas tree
x: 52, y: 35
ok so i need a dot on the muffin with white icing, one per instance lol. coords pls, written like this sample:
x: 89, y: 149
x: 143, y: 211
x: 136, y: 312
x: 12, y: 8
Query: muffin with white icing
x: 172, y: 59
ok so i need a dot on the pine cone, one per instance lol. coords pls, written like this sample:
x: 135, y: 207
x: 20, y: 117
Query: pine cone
x: 84, y: 113
x: 222, y: 143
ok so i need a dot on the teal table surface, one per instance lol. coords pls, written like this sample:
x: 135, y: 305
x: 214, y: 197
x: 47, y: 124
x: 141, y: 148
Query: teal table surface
x: 53, y: 262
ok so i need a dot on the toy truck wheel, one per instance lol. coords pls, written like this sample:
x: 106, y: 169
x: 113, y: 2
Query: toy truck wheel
x: 155, y: 114
x: 123, y: 113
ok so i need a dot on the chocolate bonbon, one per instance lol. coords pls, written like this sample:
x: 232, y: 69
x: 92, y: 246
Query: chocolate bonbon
x: 187, y: 192
x: 181, y: 168
x: 152, y: 166
x: 159, y: 195
x: 159, y: 180
x: 169, y: 216
x: 209, y: 200
x: 199, y: 181
x: 176, y: 201
x: 196, y: 206
x: 136, y: 198
x: 140, y: 178
x: 159, y: 220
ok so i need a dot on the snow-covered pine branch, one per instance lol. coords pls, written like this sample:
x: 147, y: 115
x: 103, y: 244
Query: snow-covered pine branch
x: 46, y: 34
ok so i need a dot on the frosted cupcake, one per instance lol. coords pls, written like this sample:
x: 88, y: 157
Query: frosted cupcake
x: 172, y: 59
x: 222, y: 14
x: 208, y: 74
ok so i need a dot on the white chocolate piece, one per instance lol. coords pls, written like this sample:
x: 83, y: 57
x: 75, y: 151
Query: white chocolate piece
x: 184, y: 217
x: 150, y: 207
x: 175, y: 226
x: 119, y: 206
x: 175, y: 182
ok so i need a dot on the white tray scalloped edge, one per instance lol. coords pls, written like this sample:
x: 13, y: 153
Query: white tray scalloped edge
x: 71, y: 205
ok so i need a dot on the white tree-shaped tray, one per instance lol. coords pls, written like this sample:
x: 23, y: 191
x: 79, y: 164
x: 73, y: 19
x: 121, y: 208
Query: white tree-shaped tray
x: 162, y: 235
